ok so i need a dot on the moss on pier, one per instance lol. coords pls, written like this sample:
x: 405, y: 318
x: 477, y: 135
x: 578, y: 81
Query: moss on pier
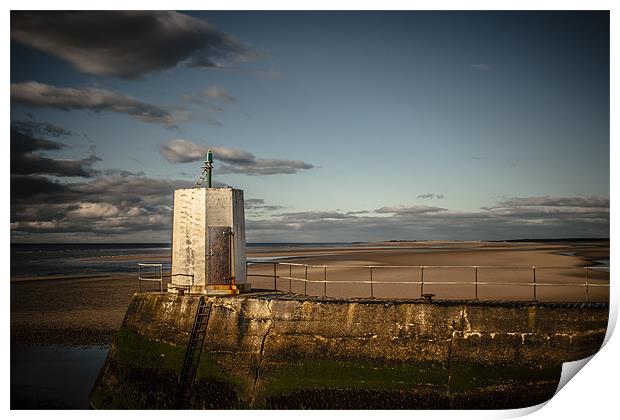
x: 137, y: 349
x: 285, y: 351
x: 319, y: 374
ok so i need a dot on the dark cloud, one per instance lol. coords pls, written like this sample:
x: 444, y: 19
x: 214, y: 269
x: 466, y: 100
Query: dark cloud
x: 305, y: 216
x: 93, y: 99
x: 110, y: 207
x: 40, y: 128
x: 35, y: 164
x: 182, y: 151
x: 431, y: 196
x: 350, y: 213
x: 33, y: 189
x: 127, y: 44
x: 409, y: 210
x: 257, y: 205
x: 25, y: 160
x: 234, y: 161
x: 113, y: 202
x: 120, y: 172
x: 267, y: 167
x: 555, y: 202
x: 25, y: 143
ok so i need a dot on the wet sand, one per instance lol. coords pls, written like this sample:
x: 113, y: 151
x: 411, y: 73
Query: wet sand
x: 88, y: 310
x: 82, y: 311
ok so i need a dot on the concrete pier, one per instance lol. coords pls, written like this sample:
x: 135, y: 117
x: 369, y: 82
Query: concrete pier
x: 276, y: 350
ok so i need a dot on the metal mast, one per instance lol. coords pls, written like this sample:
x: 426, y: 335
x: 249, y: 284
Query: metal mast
x: 206, y: 171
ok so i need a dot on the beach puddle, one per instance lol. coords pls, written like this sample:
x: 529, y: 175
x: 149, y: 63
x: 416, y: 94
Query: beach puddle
x: 54, y: 377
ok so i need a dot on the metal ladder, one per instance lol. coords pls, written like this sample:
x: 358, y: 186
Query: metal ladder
x: 193, y: 352
x: 200, y: 180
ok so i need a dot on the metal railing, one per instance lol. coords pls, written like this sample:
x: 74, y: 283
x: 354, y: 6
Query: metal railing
x: 535, y: 284
x: 149, y: 275
x: 159, y: 276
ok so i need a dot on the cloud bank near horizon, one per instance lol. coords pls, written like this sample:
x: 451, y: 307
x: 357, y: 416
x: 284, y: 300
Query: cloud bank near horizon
x: 65, y: 200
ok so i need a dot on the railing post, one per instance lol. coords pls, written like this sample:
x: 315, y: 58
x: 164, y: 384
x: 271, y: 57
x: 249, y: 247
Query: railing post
x: 587, y: 287
x: 422, y: 284
x: 161, y: 278
x: 290, y: 275
x: 275, y: 276
x: 534, y: 273
x: 324, y: 281
x: 476, y: 297
x: 306, y: 280
x: 139, y: 275
x: 372, y: 293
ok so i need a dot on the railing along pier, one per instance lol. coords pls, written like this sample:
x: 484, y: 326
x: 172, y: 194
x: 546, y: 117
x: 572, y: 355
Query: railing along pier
x: 158, y: 276
x: 424, y: 271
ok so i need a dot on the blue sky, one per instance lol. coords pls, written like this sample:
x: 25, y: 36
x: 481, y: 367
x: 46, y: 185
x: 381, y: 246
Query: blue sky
x: 339, y: 126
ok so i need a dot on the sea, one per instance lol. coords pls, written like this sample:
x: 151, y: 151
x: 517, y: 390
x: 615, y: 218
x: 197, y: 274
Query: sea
x: 69, y: 259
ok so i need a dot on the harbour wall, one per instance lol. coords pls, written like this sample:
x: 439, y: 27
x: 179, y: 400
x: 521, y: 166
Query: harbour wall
x: 276, y: 350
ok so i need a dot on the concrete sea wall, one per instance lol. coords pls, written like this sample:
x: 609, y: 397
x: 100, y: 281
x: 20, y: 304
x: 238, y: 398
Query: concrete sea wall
x: 275, y: 350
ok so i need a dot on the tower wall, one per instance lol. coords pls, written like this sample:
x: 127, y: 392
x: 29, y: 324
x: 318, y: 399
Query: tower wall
x: 195, y: 210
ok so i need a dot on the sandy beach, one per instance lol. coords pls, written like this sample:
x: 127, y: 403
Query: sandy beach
x: 87, y: 310
x: 397, y: 271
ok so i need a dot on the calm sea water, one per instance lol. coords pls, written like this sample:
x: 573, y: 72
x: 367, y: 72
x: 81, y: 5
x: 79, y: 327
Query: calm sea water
x: 54, y: 377
x: 78, y: 258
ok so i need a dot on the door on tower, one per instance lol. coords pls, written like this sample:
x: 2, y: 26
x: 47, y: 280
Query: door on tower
x: 219, y: 255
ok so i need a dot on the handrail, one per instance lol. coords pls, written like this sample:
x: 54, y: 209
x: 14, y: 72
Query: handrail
x: 524, y: 267
x: 476, y: 270
x: 159, y: 279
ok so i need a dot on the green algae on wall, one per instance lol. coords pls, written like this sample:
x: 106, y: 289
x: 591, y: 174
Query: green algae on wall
x: 273, y: 350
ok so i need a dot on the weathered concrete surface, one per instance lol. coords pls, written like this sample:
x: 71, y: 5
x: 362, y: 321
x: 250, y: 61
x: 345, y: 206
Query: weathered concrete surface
x: 196, y: 209
x: 272, y: 350
x: 189, y: 234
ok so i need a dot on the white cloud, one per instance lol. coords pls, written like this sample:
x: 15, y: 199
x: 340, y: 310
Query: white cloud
x: 234, y: 160
x: 214, y: 92
x: 182, y: 151
x: 94, y: 211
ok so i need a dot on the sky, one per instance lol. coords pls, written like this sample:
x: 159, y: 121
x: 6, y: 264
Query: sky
x: 338, y: 126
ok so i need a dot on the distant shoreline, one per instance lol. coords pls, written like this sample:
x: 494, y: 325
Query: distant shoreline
x: 169, y: 244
